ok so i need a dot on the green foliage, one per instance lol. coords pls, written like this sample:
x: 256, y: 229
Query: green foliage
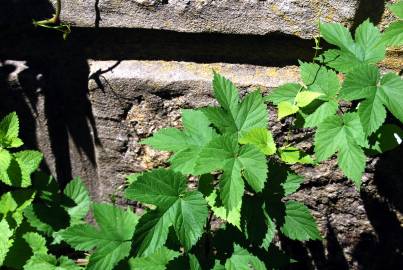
x: 393, y: 35
x: 185, y: 210
x: 111, y: 240
x: 356, y: 130
x: 236, y: 204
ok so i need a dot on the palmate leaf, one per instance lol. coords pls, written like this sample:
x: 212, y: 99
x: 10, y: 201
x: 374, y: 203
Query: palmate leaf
x: 367, y: 47
x: 185, y: 210
x: 393, y: 35
x: 299, y: 223
x: 13, y: 203
x: 241, y: 259
x: 224, y: 153
x: 234, y: 116
x: 343, y: 134
x: 111, y: 240
x: 155, y: 261
x: 365, y: 82
x: 185, y: 144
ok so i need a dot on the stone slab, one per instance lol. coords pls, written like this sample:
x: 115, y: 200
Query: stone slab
x: 259, y: 17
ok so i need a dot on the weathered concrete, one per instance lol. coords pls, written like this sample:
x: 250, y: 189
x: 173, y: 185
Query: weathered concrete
x: 294, y: 17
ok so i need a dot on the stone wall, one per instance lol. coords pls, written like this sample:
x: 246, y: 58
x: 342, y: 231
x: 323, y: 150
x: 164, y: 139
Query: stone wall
x: 128, y: 68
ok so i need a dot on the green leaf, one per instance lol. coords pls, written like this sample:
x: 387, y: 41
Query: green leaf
x: 386, y: 138
x: 366, y: 83
x: 185, y: 210
x: 304, y: 98
x: 391, y: 93
x: 185, y: 144
x: 155, y: 261
x: 319, y: 79
x: 343, y: 135
x: 14, y: 203
x: 397, y: 9
x: 366, y: 49
x: 292, y: 155
x: 194, y: 262
x: 233, y: 217
x: 225, y: 92
x: 5, y: 241
x: 285, y: 109
x: 393, y: 35
x: 224, y: 153
x: 286, y: 92
x: 9, y: 129
x: 218, y: 266
x: 232, y: 116
x: 292, y: 183
x: 299, y: 223
x: 131, y: 178
x: 338, y: 35
x: 49, y: 262
x: 36, y: 242
x: 28, y: 162
x: 261, y: 138
x: 111, y: 240
x: 78, y: 193
x: 325, y: 110
x: 241, y: 259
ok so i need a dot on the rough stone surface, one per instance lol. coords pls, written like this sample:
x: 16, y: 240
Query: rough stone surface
x: 294, y: 17
x: 88, y: 116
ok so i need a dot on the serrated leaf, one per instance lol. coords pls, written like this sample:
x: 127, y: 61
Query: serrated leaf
x: 366, y: 83
x: 7, y: 163
x: 366, y: 49
x: 233, y: 217
x: 320, y: 79
x: 36, y: 242
x: 224, y: 153
x: 320, y: 113
x: 131, y: 178
x: 218, y: 266
x: 286, y: 92
x: 234, y: 116
x: 111, y: 240
x: 293, y: 155
x: 391, y: 93
x: 28, y: 162
x: 285, y: 109
x: 14, y: 203
x: 241, y: 259
x: 77, y: 192
x: 292, y: 183
x: 9, y: 129
x: 397, y: 9
x: 304, y: 98
x: 155, y: 261
x: 393, y: 35
x: 5, y: 241
x: 343, y: 135
x: 261, y: 138
x: 386, y: 138
x: 49, y: 262
x: 299, y: 223
x: 185, y: 144
x: 185, y: 210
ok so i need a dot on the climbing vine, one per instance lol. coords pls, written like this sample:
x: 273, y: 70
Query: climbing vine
x: 238, y: 204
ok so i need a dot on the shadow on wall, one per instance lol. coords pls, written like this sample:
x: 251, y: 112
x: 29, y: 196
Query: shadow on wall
x: 55, y: 84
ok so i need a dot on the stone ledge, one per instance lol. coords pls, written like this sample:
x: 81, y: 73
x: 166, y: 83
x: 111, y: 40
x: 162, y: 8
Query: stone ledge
x: 294, y: 17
